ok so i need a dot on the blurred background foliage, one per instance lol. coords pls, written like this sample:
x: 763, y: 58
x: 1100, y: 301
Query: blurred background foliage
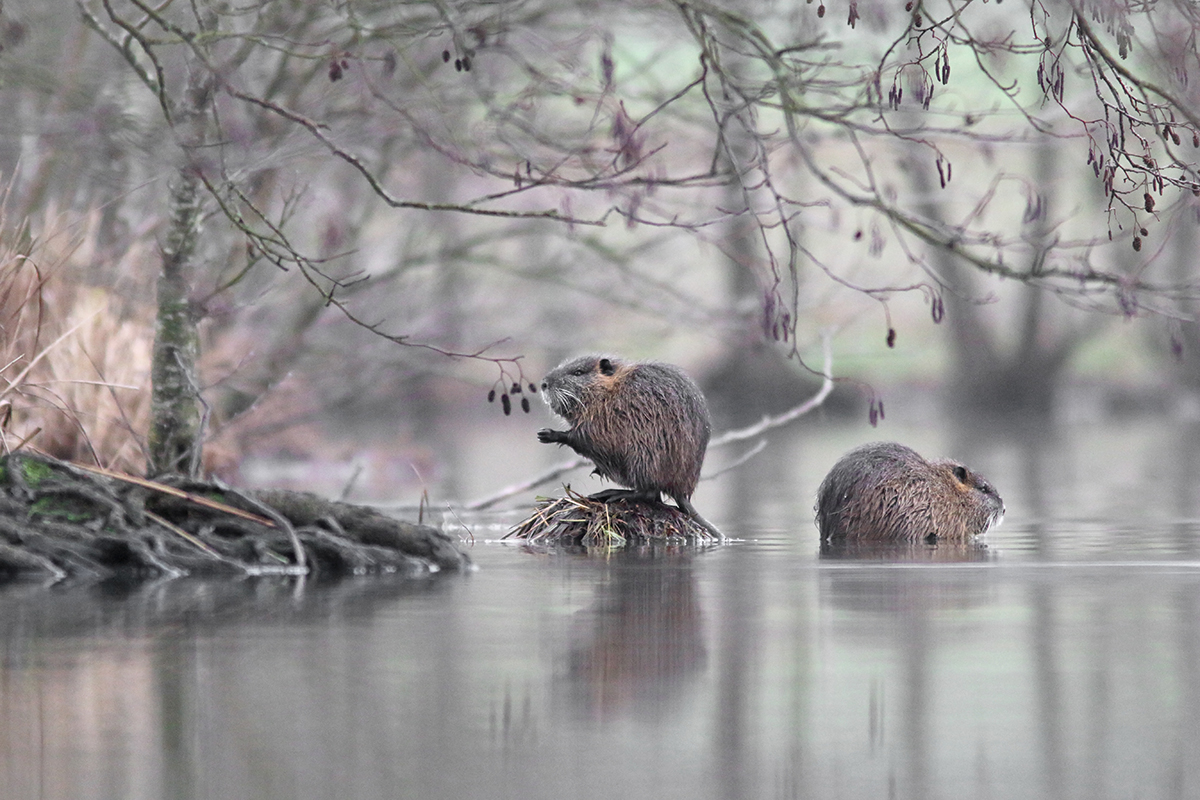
x: 403, y: 205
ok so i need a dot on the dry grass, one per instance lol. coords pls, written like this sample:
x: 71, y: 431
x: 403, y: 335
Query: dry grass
x: 74, y: 355
x: 615, y: 523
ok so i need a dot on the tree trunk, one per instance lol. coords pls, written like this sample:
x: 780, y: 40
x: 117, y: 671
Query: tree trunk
x: 174, y: 440
x: 175, y: 437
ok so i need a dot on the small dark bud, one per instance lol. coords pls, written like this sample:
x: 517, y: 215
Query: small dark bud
x: 516, y: 388
x: 335, y: 71
x: 445, y: 56
x: 1149, y: 202
x: 938, y: 310
x: 506, y: 404
x: 525, y: 404
x: 821, y: 10
x: 891, y: 337
x: 881, y: 409
x: 533, y: 388
x: 466, y: 63
x: 1137, y: 243
x: 1143, y: 232
x: 1195, y: 139
x: 458, y: 65
x: 492, y: 396
x: 908, y: 6
x: 1176, y: 346
x: 873, y: 415
x: 857, y: 235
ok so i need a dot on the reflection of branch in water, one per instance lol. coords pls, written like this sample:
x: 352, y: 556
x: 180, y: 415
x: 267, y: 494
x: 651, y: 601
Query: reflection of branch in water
x: 767, y: 423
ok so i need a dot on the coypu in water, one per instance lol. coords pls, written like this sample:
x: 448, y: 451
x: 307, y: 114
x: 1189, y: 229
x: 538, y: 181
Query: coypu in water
x: 644, y: 425
x: 887, y: 492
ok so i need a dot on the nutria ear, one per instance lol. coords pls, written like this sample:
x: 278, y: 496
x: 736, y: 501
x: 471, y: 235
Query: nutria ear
x: 960, y: 472
x: 606, y: 367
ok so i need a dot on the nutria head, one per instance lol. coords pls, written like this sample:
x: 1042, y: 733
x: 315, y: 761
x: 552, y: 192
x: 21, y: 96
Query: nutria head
x: 975, y: 506
x: 886, y: 492
x: 572, y: 387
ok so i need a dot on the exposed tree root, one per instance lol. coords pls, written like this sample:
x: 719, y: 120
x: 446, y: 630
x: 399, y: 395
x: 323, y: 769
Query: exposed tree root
x: 62, y: 520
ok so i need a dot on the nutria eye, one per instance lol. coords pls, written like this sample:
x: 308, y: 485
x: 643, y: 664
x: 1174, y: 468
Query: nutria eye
x: 960, y: 472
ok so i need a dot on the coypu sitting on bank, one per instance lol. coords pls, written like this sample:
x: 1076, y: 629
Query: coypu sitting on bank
x: 644, y: 425
x: 887, y: 492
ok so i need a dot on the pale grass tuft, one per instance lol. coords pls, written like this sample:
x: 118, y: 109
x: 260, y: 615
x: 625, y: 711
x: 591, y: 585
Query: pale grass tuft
x: 74, y: 355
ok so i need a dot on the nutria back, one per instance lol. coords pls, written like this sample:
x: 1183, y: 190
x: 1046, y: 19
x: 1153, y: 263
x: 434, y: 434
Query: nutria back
x: 887, y: 492
x: 644, y: 425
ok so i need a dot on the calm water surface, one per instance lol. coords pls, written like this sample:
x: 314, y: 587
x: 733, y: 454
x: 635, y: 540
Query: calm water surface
x: 1063, y: 660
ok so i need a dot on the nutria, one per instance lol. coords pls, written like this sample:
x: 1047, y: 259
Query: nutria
x: 887, y: 492
x: 644, y: 425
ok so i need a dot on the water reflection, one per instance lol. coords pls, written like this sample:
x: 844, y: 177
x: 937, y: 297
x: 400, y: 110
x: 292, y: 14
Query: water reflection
x: 1059, y: 657
x: 108, y: 690
x: 639, y: 646
x: 907, y: 552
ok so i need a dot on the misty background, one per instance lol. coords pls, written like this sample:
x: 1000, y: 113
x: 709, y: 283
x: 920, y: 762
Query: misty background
x: 405, y: 206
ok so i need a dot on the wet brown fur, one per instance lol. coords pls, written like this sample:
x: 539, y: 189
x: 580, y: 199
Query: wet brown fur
x: 887, y: 492
x: 645, y: 425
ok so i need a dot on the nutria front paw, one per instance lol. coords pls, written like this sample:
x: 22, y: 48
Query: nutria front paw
x: 550, y: 436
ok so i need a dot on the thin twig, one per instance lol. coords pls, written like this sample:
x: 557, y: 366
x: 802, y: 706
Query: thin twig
x: 180, y: 493
x: 178, y: 531
x: 770, y: 423
x: 281, y: 522
x: 537, y: 480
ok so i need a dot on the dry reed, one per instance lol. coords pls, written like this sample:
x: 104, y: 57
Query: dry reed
x: 609, y: 523
x: 74, y: 354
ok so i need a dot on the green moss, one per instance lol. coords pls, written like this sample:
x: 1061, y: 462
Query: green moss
x: 70, y: 509
x: 35, y: 471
